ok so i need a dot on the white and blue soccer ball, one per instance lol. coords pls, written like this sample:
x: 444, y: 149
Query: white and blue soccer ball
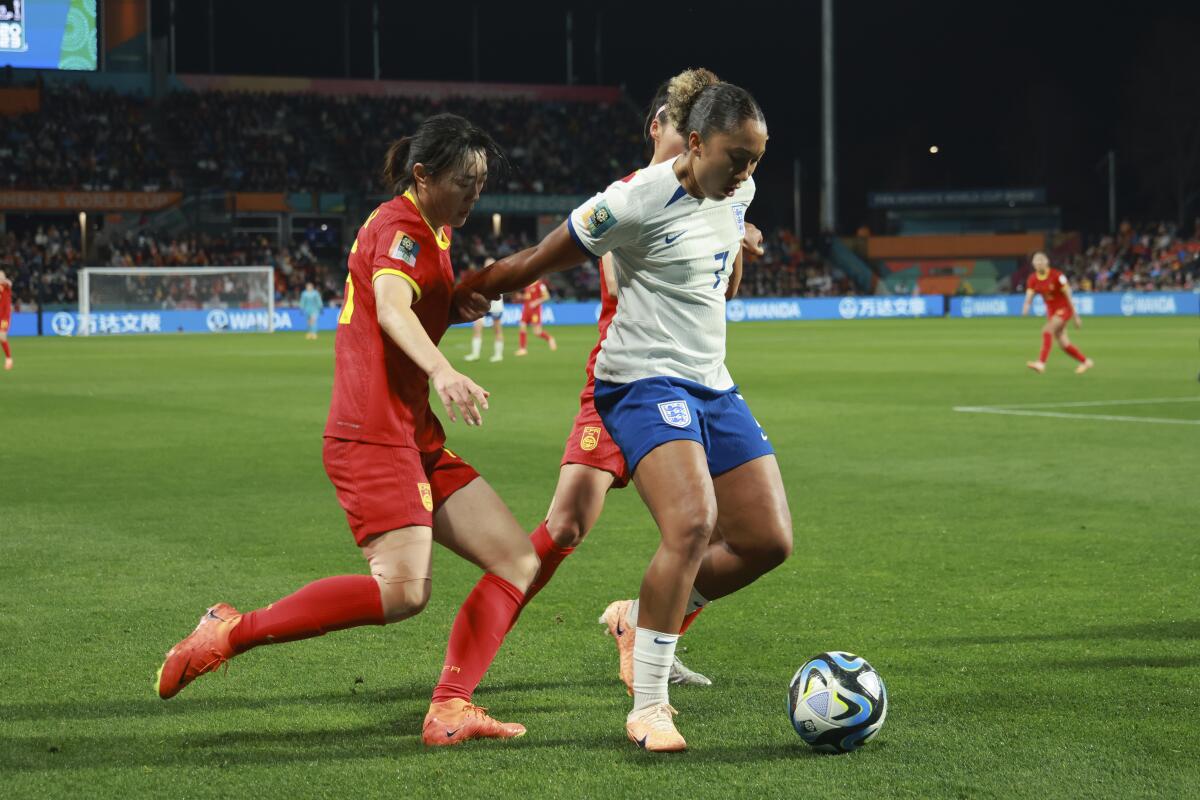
x: 837, y: 702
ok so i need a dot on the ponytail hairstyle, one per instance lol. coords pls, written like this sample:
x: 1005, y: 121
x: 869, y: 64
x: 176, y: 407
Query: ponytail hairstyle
x: 443, y: 141
x: 701, y: 102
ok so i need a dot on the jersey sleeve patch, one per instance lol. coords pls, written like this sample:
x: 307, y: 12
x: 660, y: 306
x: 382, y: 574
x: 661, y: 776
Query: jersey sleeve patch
x: 599, y: 218
x: 404, y: 248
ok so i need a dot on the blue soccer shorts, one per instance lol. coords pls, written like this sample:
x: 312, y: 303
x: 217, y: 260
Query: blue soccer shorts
x: 643, y: 414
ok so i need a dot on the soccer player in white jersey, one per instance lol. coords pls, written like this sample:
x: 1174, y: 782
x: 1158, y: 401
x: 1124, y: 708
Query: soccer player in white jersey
x: 495, y: 316
x: 698, y: 457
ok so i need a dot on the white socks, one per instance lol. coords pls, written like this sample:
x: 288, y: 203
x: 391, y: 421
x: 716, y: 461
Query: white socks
x: 497, y: 349
x: 696, y: 602
x: 476, y: 344
x: 653, y: 653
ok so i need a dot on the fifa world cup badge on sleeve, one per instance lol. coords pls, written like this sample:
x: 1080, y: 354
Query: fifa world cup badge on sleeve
x: 590, y: 438
x: 676, y: 413
x: 404, y: 248
x: 598, y: 219
x: 426, y: 496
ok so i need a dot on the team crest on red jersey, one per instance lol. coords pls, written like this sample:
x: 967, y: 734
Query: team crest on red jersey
x: 590, y: 437
x: 426, y: 496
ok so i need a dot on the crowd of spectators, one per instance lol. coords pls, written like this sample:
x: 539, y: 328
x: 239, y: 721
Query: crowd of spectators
x: 83, y: 138
x: 1153, y: 257
x: 50, y: 255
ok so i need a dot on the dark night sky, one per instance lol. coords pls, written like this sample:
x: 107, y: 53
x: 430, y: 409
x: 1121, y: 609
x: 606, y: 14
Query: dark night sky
x: 1014, y: 93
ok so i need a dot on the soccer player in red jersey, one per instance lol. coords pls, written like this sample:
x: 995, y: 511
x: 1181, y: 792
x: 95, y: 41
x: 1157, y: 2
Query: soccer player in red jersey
x: 385, y: 453
x: 535, y: 295
x: 5, y: 317
x: 592, y: 463
x: 1060, y: 309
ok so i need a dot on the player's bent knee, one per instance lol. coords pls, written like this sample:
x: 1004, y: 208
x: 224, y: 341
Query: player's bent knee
x: 690, y: 532
x: 566, y: 530
x: 404, y: 598
x: 518, y: 569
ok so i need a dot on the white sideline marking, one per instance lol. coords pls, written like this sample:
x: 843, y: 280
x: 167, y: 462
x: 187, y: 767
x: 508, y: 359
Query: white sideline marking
x: 1023, y: 410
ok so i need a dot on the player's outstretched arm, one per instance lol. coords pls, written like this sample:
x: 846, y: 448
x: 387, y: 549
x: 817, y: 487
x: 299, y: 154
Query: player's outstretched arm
x: 393, y: 299
x: 553, y: 254
x: 1028, y: 302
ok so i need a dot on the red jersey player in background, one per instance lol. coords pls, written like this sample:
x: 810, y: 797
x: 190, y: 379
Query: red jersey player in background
x: 1060, y: 309
x: 385, y: 450
x: 535, y: 295
x: 5, y: 317
x: 592, y: 463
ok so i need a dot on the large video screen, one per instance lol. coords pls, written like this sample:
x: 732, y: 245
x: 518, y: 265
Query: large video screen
x: 48, y: 34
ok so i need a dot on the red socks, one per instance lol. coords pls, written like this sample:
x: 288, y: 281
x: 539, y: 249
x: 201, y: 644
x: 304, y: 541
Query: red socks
x: 688, y: 619
x: 7, y: 352
x: 330, y: 604
x: 479, y: 628
x: 545, y: 336
x: 1074, y: 353
x: 551, y: 555
x: 524, y: 339
x: 1047, y: 339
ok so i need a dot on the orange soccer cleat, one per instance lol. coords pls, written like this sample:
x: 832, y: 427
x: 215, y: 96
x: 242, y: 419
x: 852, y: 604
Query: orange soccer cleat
x: 1037, y: 366
x: 553, y: 343
x: 616, y: 617
x: 1085, y: 366
x: 8, y: 363
x: 203, y: 650
x: 456, y: 720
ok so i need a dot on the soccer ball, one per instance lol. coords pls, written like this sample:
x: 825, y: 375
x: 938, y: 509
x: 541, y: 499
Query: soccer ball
x: 837, y: 702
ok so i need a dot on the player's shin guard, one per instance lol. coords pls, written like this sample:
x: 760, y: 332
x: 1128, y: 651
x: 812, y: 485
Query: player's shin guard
x: 1074, y: 353
x: 1047, y: 343
x: 330, y: 604
x: 551, y: 555
x: 486, y: 615
x: 653, y: 652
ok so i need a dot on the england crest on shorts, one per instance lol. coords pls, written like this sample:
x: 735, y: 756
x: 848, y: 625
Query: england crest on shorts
x: 676, y: 413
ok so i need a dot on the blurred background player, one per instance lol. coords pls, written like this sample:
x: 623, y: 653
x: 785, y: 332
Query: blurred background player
x: 5, y: 318
x: 385, y: 449
x: 1060, y: 308
x: 698, y: 457
x: 494, y: 316
x: 310, y: 304
x: 535, y: 295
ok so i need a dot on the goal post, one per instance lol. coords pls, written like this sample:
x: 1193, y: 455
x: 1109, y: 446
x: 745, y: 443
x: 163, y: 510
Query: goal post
x: 159, y: 299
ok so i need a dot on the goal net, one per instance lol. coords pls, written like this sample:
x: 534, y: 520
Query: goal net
x: 114, y: 300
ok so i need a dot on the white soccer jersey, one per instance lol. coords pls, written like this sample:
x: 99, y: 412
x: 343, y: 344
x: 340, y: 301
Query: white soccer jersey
x: 673, y: 255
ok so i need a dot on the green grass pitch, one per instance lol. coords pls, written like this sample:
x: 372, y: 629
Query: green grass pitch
x: 1027, y: 586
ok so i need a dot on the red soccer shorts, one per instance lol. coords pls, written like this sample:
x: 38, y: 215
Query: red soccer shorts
x: 1063, y: 311
x: 590, y: 445
x: 531, y: 316
x: 382, y: 488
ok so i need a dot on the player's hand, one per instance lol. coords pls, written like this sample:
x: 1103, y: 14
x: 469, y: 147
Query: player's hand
x: 752, y: 240
x: 1078, y: 322
x: 467, y: 305
x: 459, y: 393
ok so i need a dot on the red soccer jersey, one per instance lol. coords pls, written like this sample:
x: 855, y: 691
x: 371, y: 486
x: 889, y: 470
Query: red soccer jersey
x: 5, y: 300
x: 379, y: 394
x: 1051, y: 288
x: 608, y: 308
x: 535, y: 291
